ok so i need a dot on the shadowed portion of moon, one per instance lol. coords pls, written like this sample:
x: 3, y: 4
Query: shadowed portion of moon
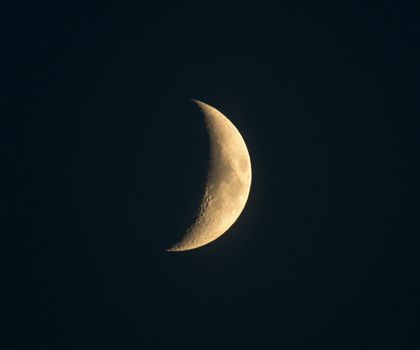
x: 228, y: 182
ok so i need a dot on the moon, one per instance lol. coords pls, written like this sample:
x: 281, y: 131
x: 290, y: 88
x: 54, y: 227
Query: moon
x: 228, y: 182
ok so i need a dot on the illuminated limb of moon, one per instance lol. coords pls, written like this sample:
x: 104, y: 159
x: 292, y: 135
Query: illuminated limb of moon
x: 228, y: 182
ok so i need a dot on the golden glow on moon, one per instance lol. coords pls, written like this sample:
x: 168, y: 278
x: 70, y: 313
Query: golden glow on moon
x: 228, y: 182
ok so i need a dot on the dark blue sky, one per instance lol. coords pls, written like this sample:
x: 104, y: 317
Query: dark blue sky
x: 105, y: 158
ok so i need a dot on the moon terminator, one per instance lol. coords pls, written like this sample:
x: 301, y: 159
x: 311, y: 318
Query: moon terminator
x: 228, y: 182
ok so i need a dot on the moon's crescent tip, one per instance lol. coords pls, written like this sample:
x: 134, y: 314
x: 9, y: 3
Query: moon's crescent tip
x: 177, y: 249
x: 198, y: 103
x: 172, y: 249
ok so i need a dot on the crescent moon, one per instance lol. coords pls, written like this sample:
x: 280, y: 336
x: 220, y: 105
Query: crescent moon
x: 228, y: 182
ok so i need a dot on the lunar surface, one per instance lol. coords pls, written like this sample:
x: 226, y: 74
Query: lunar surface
x: 228, y: 182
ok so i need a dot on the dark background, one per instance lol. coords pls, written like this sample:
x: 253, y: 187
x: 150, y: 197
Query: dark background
x: 105, y: 159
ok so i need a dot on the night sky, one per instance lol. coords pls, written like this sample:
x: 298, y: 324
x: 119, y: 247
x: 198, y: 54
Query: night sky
x: 105, y: 159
